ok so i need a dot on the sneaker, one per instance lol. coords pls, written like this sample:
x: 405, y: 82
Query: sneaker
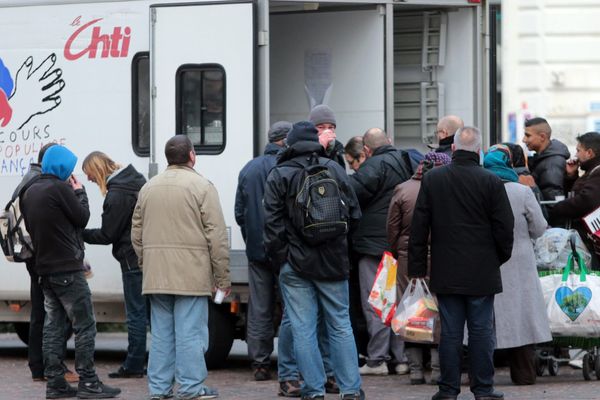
x: 381, y: 369
x: 495, y: 395
x: 314, y: 397
x: 262, y: 374
x: 160, y: 396
x: 354, y: 396
x: 443, y: 396
x: 331, y: 385
x: 401, y: 369
x: 289, y: 389
x: 64, y: 391
x: 125, y: 374
x: 71, y: 377
x: 207, y: 393
x: 96, y: 390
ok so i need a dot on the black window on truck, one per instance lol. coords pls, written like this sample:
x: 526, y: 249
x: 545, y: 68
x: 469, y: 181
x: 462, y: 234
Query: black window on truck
x: 140, y: 104
x: 200, y: 106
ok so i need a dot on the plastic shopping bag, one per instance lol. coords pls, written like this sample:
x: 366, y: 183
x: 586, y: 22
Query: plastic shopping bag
x: 383, y: 294
x: 417, y: 313
x: 573, y: 302
x: 552, y: 249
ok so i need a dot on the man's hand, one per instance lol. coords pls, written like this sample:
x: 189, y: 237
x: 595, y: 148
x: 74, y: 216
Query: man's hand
x: 327, y: 138
x: 75, y: 183
x: 572, y: 167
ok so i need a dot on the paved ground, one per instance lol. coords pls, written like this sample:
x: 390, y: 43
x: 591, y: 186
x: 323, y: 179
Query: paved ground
x: 235, y: 382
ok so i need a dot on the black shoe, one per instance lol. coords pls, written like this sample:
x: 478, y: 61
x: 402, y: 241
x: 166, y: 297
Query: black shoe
x: 123, y: 373
x: 495, y: 395
x: 262, y: 374
x: 289, y: 389
x: 354, y: 396
x: 331, y: 385
x: 96, y: 390
x: 443, y: 396
x: 63, y: 391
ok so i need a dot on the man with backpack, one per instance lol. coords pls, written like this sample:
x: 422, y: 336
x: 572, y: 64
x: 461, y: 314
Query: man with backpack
x: 374, y: 183
x: 309, y: 207
x: 36, y: 318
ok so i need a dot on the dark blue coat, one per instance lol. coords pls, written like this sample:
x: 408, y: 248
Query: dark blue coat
x: 249, y: 209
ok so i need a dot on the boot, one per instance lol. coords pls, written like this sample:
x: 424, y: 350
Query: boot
x: 415, y: 363
x: 435, y: 366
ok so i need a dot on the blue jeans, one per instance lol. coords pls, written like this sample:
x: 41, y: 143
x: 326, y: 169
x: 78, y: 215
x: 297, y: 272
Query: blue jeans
x: 287, y: 370
x: 68, y: 295
x: 304, y: 298
x: 179, y: 340
x: 478, y: 312
x: 136, y: 314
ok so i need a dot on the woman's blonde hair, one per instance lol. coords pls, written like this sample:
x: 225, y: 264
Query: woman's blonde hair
x: 99, y: 166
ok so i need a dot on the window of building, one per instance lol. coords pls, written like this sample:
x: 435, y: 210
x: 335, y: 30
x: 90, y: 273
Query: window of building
x: 200, y: 106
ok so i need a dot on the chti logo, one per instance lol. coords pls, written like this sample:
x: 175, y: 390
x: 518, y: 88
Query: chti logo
x: 35, y: 90
x: 113, y: 45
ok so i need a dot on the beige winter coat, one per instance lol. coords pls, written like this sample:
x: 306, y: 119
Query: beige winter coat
x: 179, y: 234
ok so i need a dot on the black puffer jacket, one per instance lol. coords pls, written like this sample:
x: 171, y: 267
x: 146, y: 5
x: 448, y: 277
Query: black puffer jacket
x: 337, y: 154
x: 548, y: 169
x: 283, y: 242
x: 374, y: 184
x: 466, y: 212
x: 54, y: 215
x: 118, y: 208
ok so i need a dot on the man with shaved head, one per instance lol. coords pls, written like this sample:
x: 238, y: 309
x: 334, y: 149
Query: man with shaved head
x: 465, y: 211
x: 374, y: 183
x: 446, y: 128
x: 179, y: 235
x: 548, y: 164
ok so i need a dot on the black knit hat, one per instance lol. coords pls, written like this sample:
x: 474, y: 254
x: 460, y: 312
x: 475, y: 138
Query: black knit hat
x: 279, y: 130
x: 302, y: 131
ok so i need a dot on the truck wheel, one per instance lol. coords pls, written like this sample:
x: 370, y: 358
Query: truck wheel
x: 22, y: 330
x: 220, y: 335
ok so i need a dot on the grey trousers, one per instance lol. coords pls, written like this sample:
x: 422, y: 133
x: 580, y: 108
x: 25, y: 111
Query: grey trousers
x: 382, y: 340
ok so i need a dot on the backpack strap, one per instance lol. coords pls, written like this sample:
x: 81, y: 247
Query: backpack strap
x: 21, y: 191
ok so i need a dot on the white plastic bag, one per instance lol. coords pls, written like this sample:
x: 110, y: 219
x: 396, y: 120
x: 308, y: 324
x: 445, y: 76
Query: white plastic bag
x: 383, y: 294
x: 552, y: 249
x: 417, y: 313
x: 573, y: 302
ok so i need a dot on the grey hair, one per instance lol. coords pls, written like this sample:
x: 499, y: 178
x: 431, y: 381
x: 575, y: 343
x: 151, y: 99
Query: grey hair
x: 468, y: 139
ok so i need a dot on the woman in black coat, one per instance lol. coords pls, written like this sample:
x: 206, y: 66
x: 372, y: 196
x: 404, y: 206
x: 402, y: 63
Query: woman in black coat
x: 120, y: 186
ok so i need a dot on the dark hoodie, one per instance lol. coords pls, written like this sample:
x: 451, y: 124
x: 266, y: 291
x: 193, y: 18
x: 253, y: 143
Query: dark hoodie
x: 117, y: 211
x: 55, y: 214
x: 548, y: 169
x: 283, y: 242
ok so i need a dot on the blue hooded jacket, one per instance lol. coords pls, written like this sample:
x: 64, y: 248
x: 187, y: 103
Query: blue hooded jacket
x: 59, y: 161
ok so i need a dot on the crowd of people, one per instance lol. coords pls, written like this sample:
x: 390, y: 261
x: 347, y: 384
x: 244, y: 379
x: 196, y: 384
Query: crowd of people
x: 462, y: 217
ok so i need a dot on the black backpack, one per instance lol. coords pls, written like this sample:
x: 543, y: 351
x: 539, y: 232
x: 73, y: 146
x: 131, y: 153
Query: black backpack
x: 14, y: 238
x: 320, y: 214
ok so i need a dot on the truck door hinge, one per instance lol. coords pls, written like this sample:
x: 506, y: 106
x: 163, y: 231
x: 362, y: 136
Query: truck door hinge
x: 263, y: 38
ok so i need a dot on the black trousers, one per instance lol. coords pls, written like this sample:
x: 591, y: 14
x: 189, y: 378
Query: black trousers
x: 521, y: 361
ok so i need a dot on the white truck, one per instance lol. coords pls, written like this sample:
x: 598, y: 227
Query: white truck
x: 123, y: 76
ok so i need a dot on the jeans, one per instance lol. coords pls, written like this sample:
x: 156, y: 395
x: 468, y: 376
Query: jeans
x: 68, y: 295
x: 382, y: 339
x: 260, y: 332
x: 135, y: 311
x: 179, y: 327
x: 478, y: 312
x: 304, y: 299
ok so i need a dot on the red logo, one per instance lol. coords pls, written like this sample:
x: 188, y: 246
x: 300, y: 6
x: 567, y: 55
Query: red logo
x: 112, y: 45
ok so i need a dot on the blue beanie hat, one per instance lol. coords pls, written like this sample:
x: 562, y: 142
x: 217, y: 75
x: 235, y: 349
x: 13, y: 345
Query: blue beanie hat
x: 303, y: 131
x: 59, y: 161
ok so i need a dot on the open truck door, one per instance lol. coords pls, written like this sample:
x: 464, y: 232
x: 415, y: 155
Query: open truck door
x: 202, y: 67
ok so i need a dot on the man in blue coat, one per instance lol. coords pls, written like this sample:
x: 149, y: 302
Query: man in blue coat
x: 249, y: 214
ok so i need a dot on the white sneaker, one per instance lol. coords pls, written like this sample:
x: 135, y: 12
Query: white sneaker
x: 381, y: 369
x: 402, y: 369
